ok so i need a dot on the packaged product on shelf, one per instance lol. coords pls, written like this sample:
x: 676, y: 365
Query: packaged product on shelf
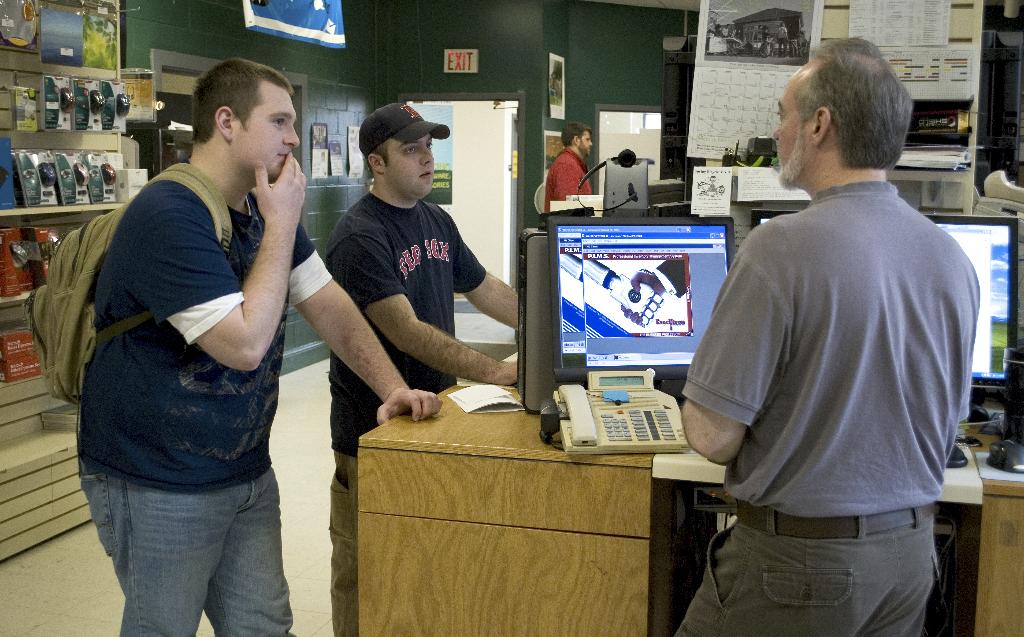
x: 58, y: 103
x: 88, y: 105
x: 115, y: 106
x: 19, y: 25
x: 72, y: 178
x: 18, y: 359
x: 102, y: 176
x: 35, y: 178
x: 6, y: 174
x: 93, y: 179
x: 23, y: 105
x: 15, y: 272
x: 14, y: 341
x: 946, y: 121
x: 40, y: 244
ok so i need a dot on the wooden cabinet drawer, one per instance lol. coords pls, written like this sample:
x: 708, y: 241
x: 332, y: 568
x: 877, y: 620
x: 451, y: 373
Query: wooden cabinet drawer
x: 611, y: 500
x: 435, y: 577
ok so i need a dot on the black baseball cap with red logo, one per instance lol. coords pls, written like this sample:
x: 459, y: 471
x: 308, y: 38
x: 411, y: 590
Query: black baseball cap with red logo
x: 400, y: 121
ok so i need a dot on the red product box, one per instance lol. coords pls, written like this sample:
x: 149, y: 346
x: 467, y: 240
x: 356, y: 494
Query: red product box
x: 14, y: 343
x: 20, y: 367
x: 13, y: 279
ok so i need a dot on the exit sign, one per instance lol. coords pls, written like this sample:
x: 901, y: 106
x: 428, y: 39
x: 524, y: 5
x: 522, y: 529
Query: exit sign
x: 461, y: 60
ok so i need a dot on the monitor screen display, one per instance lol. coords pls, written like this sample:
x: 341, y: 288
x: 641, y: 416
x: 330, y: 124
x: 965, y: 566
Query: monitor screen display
x: 991, y: 245
x: 634, y: 293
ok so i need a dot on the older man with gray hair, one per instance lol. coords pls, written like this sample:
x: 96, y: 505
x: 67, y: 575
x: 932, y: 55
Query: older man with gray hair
x: 832, y: 376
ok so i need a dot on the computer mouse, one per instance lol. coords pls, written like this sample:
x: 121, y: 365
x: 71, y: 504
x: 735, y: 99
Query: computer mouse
x: 978, y: 414
x: 957, y: 458
x: 1006, y: 455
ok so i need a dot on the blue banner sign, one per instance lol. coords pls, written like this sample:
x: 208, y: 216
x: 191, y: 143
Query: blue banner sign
x: 313, y: 21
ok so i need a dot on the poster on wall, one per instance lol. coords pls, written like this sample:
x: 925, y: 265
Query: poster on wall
x: 319, y: 160
x: 556, y: 85
x: 746, y: 52
x: 552, y: 147
x: 444, y: 173
x: 316, y: 21
x: 747, y: 32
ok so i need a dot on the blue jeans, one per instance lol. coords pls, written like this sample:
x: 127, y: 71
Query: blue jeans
x: 179, y: 554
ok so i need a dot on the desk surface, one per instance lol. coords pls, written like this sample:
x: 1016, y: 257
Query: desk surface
x: 503, y: 435
x: 962, y: 485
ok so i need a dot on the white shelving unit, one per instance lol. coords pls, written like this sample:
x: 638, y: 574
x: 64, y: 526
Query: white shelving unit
x: 965, y: 24
x: 40, y: 495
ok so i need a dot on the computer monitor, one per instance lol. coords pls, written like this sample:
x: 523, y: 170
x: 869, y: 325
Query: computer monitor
x: 626, y: 191
x: 991, y: 245
x: 633, y: 293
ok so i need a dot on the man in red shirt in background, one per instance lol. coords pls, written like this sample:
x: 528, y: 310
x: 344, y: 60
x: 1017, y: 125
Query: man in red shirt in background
x: 570, y: 165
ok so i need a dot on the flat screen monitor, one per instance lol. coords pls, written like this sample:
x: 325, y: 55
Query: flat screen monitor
x: 626, y: 192
x: 633, y: 293
x: 991, y: 245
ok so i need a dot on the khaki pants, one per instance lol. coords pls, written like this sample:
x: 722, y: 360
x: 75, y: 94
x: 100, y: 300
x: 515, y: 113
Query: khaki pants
x: 762, y: 585
x: 344, y: 582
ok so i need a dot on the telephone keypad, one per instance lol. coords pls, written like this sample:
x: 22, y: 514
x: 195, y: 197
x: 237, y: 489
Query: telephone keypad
x: 637, y: 424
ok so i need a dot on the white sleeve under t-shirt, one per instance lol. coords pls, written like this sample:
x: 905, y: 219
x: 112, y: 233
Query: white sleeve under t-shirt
x: 305, y: 280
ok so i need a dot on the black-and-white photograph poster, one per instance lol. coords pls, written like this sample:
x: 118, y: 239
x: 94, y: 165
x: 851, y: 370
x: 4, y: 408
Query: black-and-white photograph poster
x: 777, y: 32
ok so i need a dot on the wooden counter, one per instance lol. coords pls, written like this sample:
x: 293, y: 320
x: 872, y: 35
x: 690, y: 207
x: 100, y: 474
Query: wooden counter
x: 1001, y: 560
x: 470, y: 525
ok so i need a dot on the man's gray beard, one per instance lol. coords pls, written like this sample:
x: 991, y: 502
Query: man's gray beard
x: 793, y: 166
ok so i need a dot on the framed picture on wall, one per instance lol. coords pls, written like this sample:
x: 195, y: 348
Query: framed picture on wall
x: 552, y: 147
x: 556, y: 85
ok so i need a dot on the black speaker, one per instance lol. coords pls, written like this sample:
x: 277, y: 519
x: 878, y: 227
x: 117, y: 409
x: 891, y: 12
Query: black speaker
x: 536, y: 358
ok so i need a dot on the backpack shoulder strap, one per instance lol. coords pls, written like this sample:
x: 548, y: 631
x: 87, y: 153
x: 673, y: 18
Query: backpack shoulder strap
x: 195, y: 180
x: 192, y: 178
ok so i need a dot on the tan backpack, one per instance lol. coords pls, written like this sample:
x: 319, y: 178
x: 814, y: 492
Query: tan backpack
x: 61, y: 314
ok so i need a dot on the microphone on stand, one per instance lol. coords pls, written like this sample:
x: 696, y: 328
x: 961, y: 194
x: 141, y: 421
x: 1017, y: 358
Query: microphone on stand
x: 626, y: 158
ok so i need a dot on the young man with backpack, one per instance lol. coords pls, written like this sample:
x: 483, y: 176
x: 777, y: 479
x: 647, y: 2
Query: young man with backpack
x: 176, y: 412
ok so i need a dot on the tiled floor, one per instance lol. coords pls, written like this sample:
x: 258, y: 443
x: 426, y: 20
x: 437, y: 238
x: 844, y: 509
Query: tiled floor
x: 66, y: 586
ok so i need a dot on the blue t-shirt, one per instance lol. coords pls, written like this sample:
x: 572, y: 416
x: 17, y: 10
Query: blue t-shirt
x: 378, y: 250
x: 156, y: 411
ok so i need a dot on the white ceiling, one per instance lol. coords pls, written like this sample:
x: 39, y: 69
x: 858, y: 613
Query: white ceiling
x: 683, y: 5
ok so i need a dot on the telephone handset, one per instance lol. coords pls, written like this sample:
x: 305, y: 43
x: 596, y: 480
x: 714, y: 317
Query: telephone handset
x: 620, y: 413
x: 577, y: 405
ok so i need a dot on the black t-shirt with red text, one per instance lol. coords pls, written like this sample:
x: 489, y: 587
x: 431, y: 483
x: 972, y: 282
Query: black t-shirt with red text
x: 378, y: 250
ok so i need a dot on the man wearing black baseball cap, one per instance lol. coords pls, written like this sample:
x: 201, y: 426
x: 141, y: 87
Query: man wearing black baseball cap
x: 401, y: 260
x: 400, y: 121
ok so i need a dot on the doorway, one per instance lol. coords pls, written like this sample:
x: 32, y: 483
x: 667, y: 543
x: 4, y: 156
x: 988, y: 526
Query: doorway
x: 484, y: 194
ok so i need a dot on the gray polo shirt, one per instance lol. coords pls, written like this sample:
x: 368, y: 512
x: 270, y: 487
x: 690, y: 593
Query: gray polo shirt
x: 842, y: 337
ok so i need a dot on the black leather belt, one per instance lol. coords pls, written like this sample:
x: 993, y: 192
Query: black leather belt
x: 775, y: 522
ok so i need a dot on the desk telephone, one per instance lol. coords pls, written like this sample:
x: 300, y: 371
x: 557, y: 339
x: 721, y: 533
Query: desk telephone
x: 621, y: 413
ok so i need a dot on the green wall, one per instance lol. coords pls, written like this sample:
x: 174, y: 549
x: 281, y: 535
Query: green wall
x: 215, y: 29
x: 612, y: 52
x: 612, y: 55
x: 615, y: 55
